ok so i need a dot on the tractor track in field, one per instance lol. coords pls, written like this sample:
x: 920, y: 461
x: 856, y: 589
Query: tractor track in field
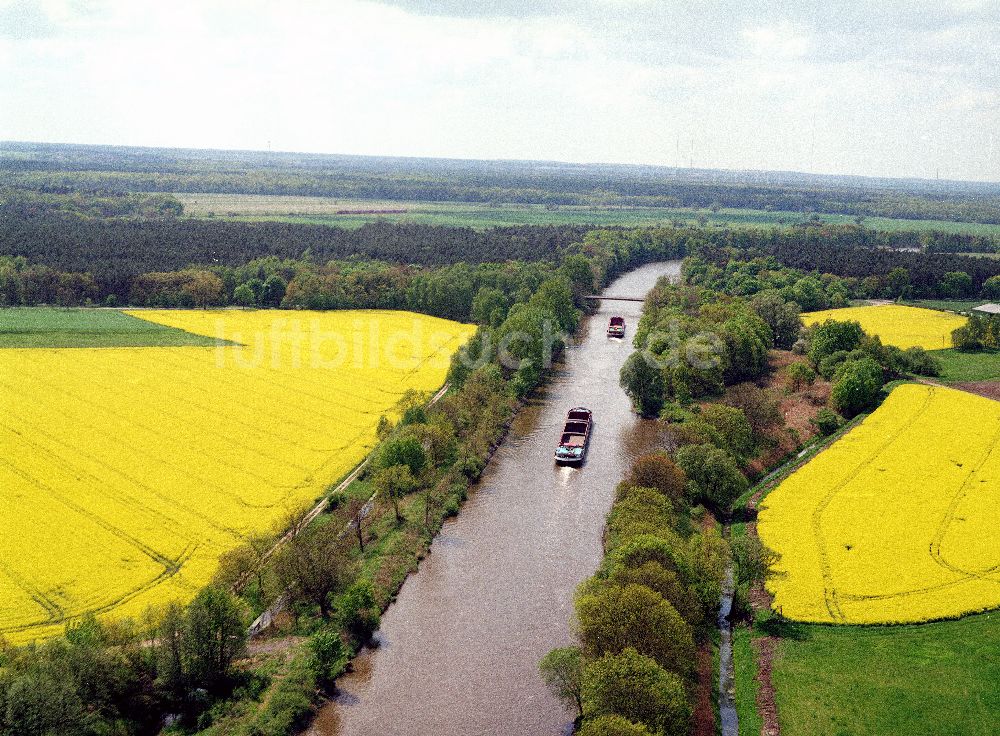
x: 830, y: 592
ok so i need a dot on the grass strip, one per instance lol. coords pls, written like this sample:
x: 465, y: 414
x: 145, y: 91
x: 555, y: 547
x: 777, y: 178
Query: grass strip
x: 53, y: 327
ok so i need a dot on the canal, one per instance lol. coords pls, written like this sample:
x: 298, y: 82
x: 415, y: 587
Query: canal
x: 458, y: 651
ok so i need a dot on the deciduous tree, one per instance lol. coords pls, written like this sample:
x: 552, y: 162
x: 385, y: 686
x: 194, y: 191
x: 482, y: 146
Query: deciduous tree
x: 313, y: 565
x: 643, y: 381
x: 562, y: 672
x: 635, y: 687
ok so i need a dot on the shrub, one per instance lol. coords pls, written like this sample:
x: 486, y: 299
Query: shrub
x: 733, y: 427
x: 290, y: 706
x: 828, y: 366
x: 922, y: 363
x: 329, y: 656
x: 244, y: 296
x: 613, y: 725
x: 665, y: 548
x: 758, y: 405
x: 857, y: 386
x: 747, y: 339
x: 827, y: 421
x: 358, y: 614
x: 639, y: 690
x: 660, y: 472
x: 713, y: 476
x: 751, y: 559
x: 489, y: 307
x: 272, y: 291
x: 615, y: 617
x: 562, y: 672
x: 41, y: 703
x: 832, y: 336
x: 413, y: 415
x: 800, y: 374
x: 966, y: 338
x: 781, y: 316
x: 955, y: 284
x: 637, y: 511
x: 404, y: 450
x: 709, y: 555
x: 529, y: 342
x: 808, y: 293
x: 394, y: 482
x: 653, y: 575
x: 642, y: 380
x: 696, y: 432
x: 991, y: 288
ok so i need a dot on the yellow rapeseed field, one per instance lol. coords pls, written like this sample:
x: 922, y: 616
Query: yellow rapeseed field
x: 904, y: 327
x: 127, y: 472
x: 897, y: 520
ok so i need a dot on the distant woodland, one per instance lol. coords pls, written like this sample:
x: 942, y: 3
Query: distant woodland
x: 442, y: 271
x: 62, y: 168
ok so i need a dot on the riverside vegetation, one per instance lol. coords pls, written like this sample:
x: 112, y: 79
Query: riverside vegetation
x: 722, y: 370
x: 148, y: 670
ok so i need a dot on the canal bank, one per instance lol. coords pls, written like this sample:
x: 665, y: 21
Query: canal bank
x: 458, y: 651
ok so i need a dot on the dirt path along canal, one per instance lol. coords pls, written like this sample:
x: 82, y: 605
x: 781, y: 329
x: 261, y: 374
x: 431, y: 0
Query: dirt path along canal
x: 459, y: 650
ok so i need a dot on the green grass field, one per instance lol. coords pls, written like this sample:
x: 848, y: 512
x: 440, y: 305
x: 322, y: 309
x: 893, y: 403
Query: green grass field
x: 929, y: 680
x: 323, y: 211
x: 48, y: 327
x: 959, y: 367
x: 745, y: 671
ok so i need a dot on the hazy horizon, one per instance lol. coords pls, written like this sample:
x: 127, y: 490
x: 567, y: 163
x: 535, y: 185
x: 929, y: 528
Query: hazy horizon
x: 894, y: 90
x: 668, y: 167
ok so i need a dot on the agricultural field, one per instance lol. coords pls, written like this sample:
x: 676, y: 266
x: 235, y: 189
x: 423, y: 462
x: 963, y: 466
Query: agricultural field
x: 48, y: 327
x: 930, y: 680
x: 351, y: 213
x: 896, y: 521
x: 964, y: 367
x: 904, y: 327
x: 129, y: 471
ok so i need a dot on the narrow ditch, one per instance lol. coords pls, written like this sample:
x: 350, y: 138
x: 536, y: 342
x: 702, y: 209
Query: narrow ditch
x: 727, y: 685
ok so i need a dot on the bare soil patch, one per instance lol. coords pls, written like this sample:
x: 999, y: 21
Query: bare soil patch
x: 798, y: 405
x: 988, y: 389
x: 764, y: 648
x: 703, y: 719
x: 274, y: 645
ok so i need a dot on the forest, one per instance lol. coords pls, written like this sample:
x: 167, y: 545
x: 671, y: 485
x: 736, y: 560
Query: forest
x: 65, y: 257
x: 129, y: 246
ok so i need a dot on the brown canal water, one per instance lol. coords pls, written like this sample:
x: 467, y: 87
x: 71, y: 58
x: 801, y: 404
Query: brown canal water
x: 458, y: 651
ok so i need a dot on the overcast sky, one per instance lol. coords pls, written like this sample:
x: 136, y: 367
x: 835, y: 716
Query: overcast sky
x: 875, y: 87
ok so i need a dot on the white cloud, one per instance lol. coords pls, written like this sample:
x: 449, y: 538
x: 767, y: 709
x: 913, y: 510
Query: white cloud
x: 975, y: 99
x: 894, y: 88
x: 782, y: 41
